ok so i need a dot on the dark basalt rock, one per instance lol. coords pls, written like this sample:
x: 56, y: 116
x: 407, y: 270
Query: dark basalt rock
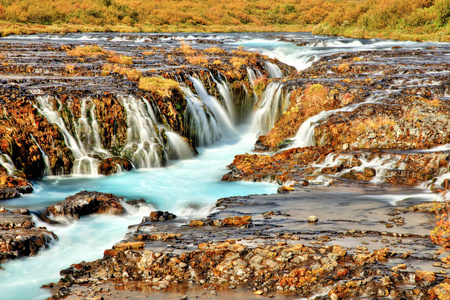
x: 18, y: 235
x: 86, y: 203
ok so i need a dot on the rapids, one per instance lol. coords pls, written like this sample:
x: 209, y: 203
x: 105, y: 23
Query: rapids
x: 188, y: 186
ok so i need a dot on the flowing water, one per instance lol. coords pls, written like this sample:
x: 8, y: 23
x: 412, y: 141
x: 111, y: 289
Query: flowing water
x: 188, y: 185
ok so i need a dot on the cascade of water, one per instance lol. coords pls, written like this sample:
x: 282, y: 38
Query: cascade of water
x: 177, y: 146
x: 201, y: 122
x: 273, y: 70
x: 7, y: 163
x: 305, y: 134
x: 224, y: 91
x: 272, y: 105
x: 87, y: 132
x: 251, y: 75
x: 83, y: 163
x: 223, y: 119
x: 145, y: 141
x: 47, y: 170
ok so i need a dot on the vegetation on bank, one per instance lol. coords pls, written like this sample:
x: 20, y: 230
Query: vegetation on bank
x: 402, y: 19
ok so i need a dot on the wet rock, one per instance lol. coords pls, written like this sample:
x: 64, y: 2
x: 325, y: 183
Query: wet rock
x: 425, y: 276
x: 8, y: 193
x: 114, y: 165
x: 19, y: 237
x: 161, y: 216
x: 85, y: 203
x: 285, y: 189
x: 129, y: 246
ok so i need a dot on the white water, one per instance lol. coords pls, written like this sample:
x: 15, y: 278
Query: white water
x: 271, y: 106
x: 7, y: 163
x: 83, y: 163
x: 47, y: 170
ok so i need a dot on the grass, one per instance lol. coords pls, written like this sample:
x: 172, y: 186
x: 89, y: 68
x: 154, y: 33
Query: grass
x: 161, y: 86
x: 90, y: 51
x: 121, y: 59
x: 197, y: 60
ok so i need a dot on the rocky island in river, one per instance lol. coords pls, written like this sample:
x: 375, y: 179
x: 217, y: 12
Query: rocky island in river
x: 357, y: 142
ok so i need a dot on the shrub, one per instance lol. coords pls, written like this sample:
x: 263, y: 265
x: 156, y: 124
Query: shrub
x: 214, y: 50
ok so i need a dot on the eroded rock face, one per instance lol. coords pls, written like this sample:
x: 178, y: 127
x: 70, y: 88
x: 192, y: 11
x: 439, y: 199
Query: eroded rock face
x: 362, y: 118
x: 19, y: 237
x: 57, y: 128
x: 86, y: 203
x: 12, y: 186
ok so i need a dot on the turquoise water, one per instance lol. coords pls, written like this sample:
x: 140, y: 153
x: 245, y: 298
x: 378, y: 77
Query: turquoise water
x: 186, y: 188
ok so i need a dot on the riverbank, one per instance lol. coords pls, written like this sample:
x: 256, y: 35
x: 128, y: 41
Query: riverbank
x: 367, y: 241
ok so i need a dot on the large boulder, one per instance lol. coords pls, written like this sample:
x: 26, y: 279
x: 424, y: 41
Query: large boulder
x: 86, y: 203
x: 18, y: 235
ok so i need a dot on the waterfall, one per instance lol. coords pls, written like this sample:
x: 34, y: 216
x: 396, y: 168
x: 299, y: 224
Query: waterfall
x: 145, y: 141
x: 150, y: 144
x: 177, y: 146
x: 305, y: 134
x: 272, y: 105
x: 225, y: 92
x: 200, y: 122
x: 223, y: 119
x: 254, y: 74
x: 222, y: 126
x: 83, y: 164
x: 7, y: 163
x: 47, y: 170
x: 273, y: 70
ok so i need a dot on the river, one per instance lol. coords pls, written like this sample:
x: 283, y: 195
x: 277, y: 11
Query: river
x: 187, y: 187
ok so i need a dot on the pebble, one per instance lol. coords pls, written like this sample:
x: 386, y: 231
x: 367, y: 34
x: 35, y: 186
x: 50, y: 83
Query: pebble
x: 312, y: 219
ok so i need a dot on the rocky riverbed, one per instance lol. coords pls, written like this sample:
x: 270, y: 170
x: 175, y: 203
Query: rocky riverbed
x: 265, y: 245
x: 310, y: 240
x: 358, y: 143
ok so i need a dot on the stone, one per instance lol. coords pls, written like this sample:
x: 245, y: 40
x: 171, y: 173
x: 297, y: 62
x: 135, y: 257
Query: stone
x: 425, y: 276
x: 237, y: 221
x: 129, y: 246
x: 86, y: 203
x: 114, y: 165
x: 161, y: 216
x: 313, y: 219
x: 196, y: 223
